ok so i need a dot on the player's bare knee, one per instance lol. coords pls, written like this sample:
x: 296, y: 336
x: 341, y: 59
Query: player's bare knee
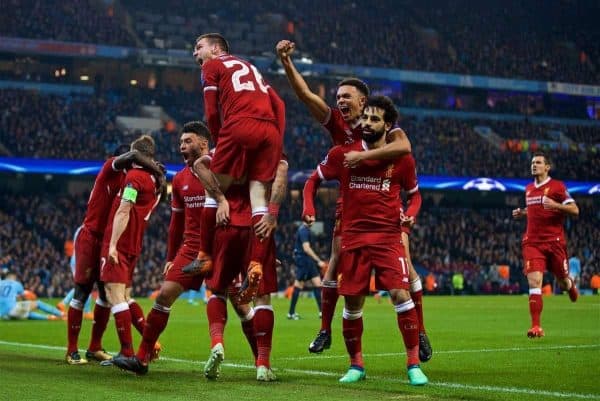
x: 258, y: 194
x: 354, y: 302
x: 115, y: 293
x: 168, y: 294
x: 399, y: 296
x: 535, y: 280
x: 82, y: 292
x: 263, y: 300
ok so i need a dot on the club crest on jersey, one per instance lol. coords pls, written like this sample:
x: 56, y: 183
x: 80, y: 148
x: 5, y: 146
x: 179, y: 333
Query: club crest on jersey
x: 385, y: 185
x: 185, y: 187
x: 324, y: 161
x: 546, y: 191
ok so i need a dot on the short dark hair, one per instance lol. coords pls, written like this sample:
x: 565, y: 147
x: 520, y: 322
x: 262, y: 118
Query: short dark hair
x: 215, y: 38
x: 198, y: 128
x: 145, y: 145
x: 357, y: 83
x: 544, y: 155
x: 390, y: 113
x: 119, y: 150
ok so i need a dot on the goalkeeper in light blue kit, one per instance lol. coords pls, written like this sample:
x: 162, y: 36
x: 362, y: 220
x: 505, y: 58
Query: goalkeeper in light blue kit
x: 13, y: 305
x: 87, y: 310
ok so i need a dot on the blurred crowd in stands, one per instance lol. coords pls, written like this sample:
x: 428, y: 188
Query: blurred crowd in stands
x: 84, y: 127
x: 449, y: 239
x: 556, y: 41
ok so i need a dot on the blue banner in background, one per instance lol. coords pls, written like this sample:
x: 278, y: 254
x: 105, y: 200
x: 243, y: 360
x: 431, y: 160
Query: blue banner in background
x: 441, y: 183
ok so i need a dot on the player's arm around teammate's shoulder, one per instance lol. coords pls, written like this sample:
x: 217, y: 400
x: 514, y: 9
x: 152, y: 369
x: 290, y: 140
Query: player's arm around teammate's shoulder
x: 397, y: 145
x: 316, y: 105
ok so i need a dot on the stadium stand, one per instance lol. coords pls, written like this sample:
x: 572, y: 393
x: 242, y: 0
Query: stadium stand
x: 497, y: 39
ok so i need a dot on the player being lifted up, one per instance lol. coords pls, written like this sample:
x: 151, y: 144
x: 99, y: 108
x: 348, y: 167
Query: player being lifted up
x: 245, y: 116
x: 343, y: 124
x: 371, y: 235
x: 544, y: 241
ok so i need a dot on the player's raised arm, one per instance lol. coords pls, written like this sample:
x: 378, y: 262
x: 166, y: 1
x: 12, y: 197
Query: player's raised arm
x: 317, y: 106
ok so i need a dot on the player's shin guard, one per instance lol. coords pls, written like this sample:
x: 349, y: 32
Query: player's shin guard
x: 208, y: 223
x: 248, y: 329
x: 137, y: 316
x: 155, y: 325
x: 329, y: 297
x: 416, y: 294
x: 123, y: 323
x: 216, y: 312
x: 408, y: 323
x: 74, y: 318
x: 101, y: 317
x: 536, y: 304
x: 264, y: 320
x: 352, y: 330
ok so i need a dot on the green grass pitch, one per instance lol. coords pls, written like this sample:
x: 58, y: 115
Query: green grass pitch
x: 481, y: 353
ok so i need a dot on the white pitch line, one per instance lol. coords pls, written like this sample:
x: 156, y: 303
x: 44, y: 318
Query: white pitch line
x: 511, y: 390
x: 436, y: 352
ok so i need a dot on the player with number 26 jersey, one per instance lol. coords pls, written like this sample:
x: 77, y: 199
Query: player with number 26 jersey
x: 240, y: 115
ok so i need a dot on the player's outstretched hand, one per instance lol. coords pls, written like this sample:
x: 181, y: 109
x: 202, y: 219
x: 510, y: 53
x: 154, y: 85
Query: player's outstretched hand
x: 265, y: 227
x: 223, y: 213
x: 285, y: 48
x: 352, y: 159
x: 519, y: 213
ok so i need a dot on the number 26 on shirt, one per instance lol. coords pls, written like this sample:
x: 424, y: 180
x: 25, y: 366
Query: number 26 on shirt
x: 244, y: 74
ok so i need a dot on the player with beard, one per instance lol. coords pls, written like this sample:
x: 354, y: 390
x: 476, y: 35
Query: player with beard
x: 372, y: 235
x: 544, y: 241
x: 343, y: 124
x: 182, y: 245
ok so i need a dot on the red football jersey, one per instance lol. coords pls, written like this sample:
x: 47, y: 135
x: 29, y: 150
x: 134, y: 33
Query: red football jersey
x: 188, y: 197
x: 544, y: 224
x: 107, y: 184
x: 139, y: 187
x: 370, y: 195
x: 341, y: 132
x: 242, y: 91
